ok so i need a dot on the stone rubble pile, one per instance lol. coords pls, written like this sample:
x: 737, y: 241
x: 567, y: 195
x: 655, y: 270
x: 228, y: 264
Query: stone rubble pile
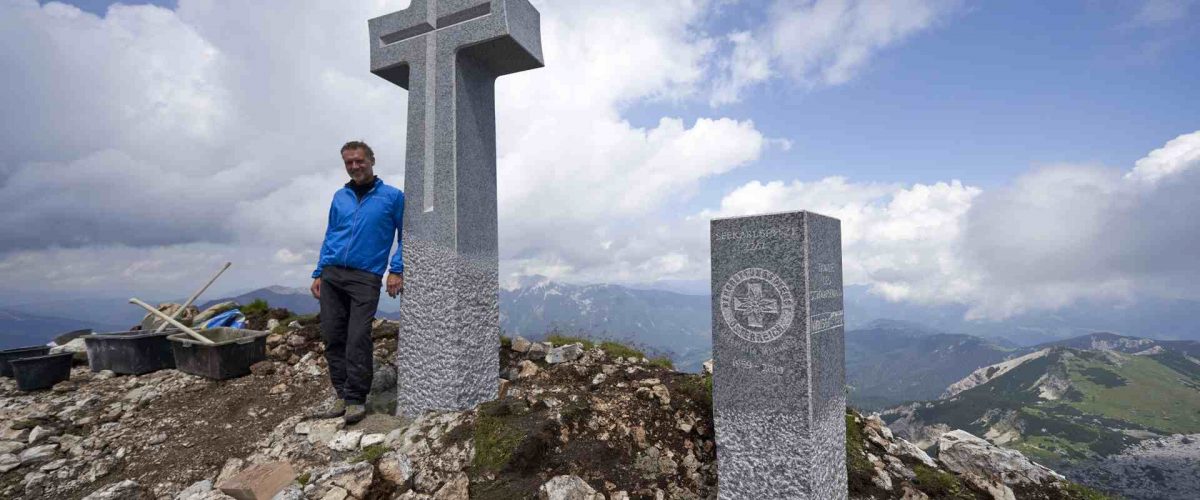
x: 572, y: 423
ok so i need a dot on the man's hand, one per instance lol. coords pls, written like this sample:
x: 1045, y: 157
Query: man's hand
x: 315, y: 289
x: 395, y: 284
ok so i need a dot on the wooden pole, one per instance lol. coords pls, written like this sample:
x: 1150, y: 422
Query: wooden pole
x: 193, y: 297
x: 171, y: 320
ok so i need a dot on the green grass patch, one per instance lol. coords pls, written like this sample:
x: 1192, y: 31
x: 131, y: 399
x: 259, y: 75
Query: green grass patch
x: 505, y: 342
x: 939, y: 484
x: 1152, y: 395
x: 1076, y: 491
x: 619, y: 350
x: 697, y: 388
x: 856, y: 456
x: 559, y: 340
x: 370, y: 453
x: 259, y: 306
x: 303, y: 479
x: 662, y: 362
x: 495, y: 437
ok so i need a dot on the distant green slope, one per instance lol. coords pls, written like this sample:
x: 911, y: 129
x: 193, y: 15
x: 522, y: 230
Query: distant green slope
x: 1072, y: 406
x: 886, y: 366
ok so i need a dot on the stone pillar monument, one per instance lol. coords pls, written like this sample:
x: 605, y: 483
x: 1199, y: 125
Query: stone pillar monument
x: 779, y: 357
x: 448, y: 54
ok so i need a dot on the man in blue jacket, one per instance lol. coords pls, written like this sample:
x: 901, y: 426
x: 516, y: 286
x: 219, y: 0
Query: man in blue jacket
x: 364, y: 219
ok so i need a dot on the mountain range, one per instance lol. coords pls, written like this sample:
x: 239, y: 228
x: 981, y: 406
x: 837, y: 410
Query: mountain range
x: 1075, y: 404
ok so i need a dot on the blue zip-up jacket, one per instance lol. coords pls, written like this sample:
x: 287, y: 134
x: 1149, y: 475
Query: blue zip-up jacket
x: 360, y: 232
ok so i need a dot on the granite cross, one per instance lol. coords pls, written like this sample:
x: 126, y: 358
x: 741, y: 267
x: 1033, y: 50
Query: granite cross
x: 448, y: 54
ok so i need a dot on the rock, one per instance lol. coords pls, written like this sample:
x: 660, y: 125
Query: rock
x: 396, y: 468
x: 371, y: 440
x: 333, y: 493
x: 292, y: 492
x: 212, y: 311
x: 296, y: 341
x: 274, y: 339
x: 278, y: 389
x: 75, y: 346
x: 527, y: 369
x: 882, y: 479
x: 990, y: 467
x: 355, y: 479
x: 11, y: 447
x: 457, y: 488
x: 39, y: 434
x: 913, y: 494
x: 708, y: 367
x: 566, y: 487
x: 196, y: 491
x: 902, y: 448
x: 230, y: 469
x: 384, y: 379
x: 272, y: 324
x: 639, y: 437
x: 345, y: 441
x: 124, y: 490
x: 521, y: 344
x: 15, y: 434
x: 562, y: 354
x: 599, y: 379
x: 8, y: 462
x: 322, y: 431
x: 262, y: 368
x: 37, y: 454
x: 661, y: 393
x: 536, y: 351
x: 53, y: 466
x: 259, y: 482
x: 105, y: 375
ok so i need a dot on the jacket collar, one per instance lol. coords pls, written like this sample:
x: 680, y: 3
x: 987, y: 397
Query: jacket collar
x: 349, y: 186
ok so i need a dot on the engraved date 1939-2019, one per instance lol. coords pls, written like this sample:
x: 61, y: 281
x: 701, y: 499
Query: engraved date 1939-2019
x: 763, y: 367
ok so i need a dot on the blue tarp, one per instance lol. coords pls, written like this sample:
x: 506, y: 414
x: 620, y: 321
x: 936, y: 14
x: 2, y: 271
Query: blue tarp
x: 232, y: 318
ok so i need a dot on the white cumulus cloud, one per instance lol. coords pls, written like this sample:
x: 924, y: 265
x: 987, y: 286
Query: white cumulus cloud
x: 147, y: 136
x: 822, y: 42
x: 1057, y: 235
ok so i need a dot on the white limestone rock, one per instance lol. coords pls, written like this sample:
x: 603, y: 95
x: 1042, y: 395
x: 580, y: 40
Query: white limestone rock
x: 563, y: 354
x: 567, y: 487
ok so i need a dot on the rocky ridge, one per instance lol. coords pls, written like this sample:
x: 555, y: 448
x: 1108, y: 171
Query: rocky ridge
x: 574, y: 421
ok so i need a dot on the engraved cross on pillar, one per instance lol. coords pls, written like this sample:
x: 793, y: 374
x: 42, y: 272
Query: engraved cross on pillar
x: 448, y: 54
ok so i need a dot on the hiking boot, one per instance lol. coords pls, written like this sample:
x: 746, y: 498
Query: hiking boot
x: 354, y: 413
x: 337, y: 410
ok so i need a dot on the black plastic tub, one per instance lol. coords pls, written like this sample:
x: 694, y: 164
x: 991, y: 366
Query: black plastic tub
x: 42, y: 372
x: 130, y: 353
x: 230, y: 356
x: 18, y: 353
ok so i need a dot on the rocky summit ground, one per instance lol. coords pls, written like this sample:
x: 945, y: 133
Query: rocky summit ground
x: 574, y: 421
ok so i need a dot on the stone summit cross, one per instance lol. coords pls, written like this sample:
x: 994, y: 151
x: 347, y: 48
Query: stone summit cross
x: 448, y: 54
x: 778, y: 357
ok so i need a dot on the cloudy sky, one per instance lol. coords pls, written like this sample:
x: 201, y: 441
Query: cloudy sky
x: 1009, y: 156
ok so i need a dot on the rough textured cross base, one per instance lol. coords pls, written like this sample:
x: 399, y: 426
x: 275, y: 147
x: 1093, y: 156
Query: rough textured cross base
x: 448, y: 54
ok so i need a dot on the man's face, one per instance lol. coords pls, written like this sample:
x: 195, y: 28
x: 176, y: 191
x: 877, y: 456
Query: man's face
x: 358, y: 166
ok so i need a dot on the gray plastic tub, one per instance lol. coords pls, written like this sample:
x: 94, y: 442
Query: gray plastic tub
x: 18, y: 353
x: 230, y: 356
x: 130, y: 353
x: 36, y: 373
